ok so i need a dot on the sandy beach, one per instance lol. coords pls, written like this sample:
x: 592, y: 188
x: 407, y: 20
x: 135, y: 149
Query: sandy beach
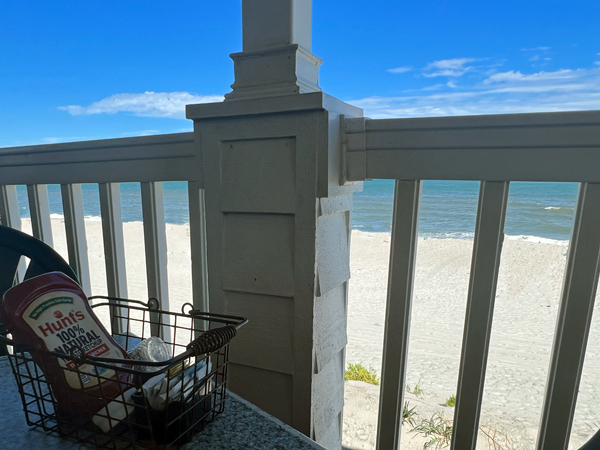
x: 524, y: 320
x: 527, y: 299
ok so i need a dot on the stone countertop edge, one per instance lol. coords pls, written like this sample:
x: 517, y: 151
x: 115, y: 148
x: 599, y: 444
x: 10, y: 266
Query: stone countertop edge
x: 245, y: 426
x: 286, y: 427
x: 241, y: 426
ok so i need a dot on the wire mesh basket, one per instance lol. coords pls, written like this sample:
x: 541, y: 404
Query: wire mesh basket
x: 156, y: 405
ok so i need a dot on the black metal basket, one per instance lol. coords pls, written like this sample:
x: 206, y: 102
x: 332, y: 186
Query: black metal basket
x: 193, y: 380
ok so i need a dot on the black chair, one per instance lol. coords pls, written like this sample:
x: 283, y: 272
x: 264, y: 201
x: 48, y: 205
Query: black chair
x: 593, y: 443
x: 15, y: 244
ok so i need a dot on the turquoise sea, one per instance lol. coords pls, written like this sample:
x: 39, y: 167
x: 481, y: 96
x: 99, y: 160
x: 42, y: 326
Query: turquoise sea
x: 448, y: 208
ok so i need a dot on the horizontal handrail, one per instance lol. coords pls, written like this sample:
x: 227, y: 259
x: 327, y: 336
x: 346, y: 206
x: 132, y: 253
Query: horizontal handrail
x: 518, y: 147
x: 166, y: 157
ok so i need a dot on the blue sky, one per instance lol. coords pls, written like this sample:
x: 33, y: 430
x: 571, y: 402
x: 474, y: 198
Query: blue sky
x: 79, y: 70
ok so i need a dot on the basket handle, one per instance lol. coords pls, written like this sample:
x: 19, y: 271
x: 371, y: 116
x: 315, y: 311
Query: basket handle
x: 212, y: 340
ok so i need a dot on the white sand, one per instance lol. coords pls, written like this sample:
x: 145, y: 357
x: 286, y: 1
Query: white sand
x: 524, y: 320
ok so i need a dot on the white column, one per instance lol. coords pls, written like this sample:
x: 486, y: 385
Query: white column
x: 277, y: 233
x: 278, y: 221
x: 276, y: 59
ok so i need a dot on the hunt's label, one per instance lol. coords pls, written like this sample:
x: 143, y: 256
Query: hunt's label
x: 62, y: 320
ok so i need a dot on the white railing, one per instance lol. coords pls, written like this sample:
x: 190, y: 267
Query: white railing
x: 148, y: 160
x: 494, y: 150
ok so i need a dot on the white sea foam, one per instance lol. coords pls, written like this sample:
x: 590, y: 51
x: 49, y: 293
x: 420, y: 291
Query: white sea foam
x: 447, y: 235
x: 537, y: 240
x: 552, y: 207
x: 470, y: 236
x: 87, y: 218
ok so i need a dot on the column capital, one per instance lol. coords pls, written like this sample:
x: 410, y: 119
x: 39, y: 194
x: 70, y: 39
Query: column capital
x: 276, y: 58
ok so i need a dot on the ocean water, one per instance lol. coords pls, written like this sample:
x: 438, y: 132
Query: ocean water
x: 448, y: 208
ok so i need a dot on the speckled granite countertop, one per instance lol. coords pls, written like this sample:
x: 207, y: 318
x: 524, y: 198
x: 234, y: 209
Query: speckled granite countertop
x: 241, y: 426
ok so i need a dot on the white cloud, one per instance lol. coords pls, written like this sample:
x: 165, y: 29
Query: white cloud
x: 400, y: 70
x: 518, y: 76
x: 455, y: 63
x: 501, y: 93
x: 140, y: 133
x: 435, y: 87
x: 535, y: 49
x: 448, y: 67
x: 148, y: 104
x: 56, y: 140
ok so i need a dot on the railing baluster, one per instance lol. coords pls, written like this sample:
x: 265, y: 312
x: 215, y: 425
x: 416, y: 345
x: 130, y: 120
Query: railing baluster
x: 155, y: 242
x: 40, y: 212
x: 72, y: 200
x: 114, y: 251
x: 9, y: 207
x: 487, y: 250
x: 198, y: 247
x: 9, y: 217
x: 405, y: 228
x: 573, y: 322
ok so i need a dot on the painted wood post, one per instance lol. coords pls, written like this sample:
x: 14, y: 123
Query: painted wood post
x: 198, y: 246
x: 40, y: 212
x: 114, y: 249
x: 9, y: 217
x: 573, y: 322
x: 72, y: 200
x: 9, y: 207
x: 155, y: 244
x: 277, y: 221
x: 403, y: 253
x: 485, y: 265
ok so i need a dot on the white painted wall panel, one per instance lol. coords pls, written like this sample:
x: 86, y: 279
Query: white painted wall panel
x: 263, y: 387
x: 333, y: 260
x: 330, y: 325
x: 328, y: 397
x: 258, y: 253
x: 332, y: 439
x: 258, y: 175
x: 266, y: 340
